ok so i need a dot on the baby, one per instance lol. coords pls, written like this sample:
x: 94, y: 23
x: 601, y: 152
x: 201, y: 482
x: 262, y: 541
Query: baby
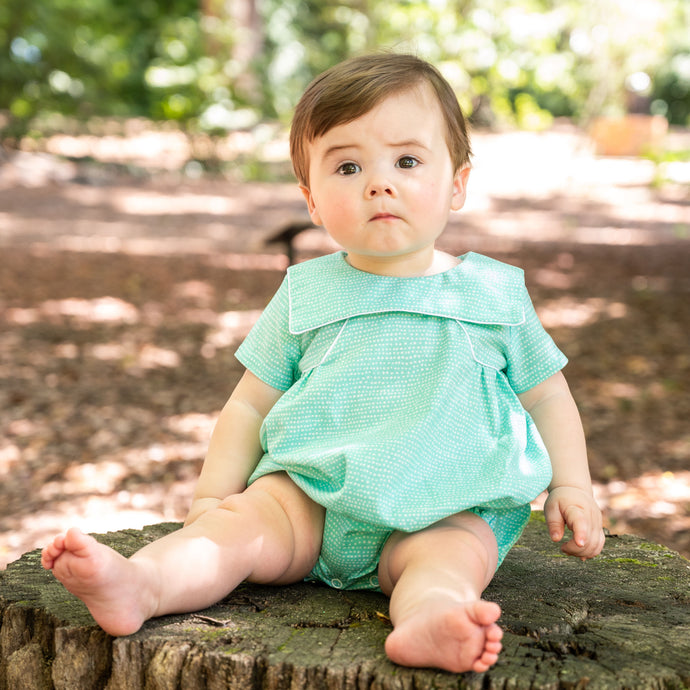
x: 400, y: 407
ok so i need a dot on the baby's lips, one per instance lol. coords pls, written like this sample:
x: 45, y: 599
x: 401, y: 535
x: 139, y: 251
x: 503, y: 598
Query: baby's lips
x: 384, y: 216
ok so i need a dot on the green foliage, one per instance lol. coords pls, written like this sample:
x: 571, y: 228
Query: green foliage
x: 518, y: 62
x: 100, y: 57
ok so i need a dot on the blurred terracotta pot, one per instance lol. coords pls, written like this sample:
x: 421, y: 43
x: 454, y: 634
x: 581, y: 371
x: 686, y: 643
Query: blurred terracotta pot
x: 629, y: 135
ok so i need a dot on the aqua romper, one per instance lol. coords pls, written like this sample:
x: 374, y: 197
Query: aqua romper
x: 400, y: 404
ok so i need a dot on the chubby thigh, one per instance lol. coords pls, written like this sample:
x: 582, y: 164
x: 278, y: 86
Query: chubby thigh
x: 288, y: 522
x: 462, y: 546
x: 304, y: 540
x: 357, y: 555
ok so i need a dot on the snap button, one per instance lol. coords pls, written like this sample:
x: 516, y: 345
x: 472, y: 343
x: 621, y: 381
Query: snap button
x: 374, y: 581
x: 335, y: 582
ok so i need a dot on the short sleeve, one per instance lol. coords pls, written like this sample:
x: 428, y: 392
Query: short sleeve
x: 270, y: 351
x: 532, y: 355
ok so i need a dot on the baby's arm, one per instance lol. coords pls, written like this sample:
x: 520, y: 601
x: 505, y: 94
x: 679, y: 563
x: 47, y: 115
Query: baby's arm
x: 235, y: 446
x: 571, y: 502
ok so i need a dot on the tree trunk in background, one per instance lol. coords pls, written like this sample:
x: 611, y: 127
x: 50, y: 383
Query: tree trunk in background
x: 246, y: 28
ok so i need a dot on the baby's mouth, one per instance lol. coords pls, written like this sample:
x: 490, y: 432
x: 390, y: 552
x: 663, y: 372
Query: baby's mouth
x: 384, y: 216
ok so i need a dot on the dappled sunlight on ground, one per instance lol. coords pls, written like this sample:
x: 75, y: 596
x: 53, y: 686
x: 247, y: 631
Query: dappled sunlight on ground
x: 120, y: 488
x: 568, y: 311
x: 122, y: 301
x: 657, y: 504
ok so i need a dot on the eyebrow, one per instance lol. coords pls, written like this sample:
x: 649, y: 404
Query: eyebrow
x: 331, y: 150
x: 409, y: 142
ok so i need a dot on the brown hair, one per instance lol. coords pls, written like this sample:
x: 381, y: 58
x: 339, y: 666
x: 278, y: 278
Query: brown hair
x: 352, y: 88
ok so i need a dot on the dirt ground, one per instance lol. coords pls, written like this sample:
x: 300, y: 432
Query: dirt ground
x: 123, y: 298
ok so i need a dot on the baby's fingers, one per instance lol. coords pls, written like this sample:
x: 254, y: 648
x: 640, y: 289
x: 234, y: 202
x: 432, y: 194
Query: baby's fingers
x: 554, y: 521
x: 578, y: 522
x: 588, y: 536
x: 589, y: 550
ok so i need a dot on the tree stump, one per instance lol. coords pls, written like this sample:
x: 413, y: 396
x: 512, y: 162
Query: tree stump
x: 621, y: 620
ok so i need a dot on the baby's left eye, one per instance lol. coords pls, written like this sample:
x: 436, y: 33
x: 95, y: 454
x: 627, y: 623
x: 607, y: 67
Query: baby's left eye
x: 407, y: 162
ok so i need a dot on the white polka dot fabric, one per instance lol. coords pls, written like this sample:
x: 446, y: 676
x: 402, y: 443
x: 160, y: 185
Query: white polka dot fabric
x: 400, y: 403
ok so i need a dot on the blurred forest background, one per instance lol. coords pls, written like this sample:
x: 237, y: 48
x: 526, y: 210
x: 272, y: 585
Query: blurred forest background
x: 222, y: 65
x: 143, y: 171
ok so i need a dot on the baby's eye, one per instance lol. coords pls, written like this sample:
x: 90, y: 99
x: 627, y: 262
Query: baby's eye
x: 407, y: 162
x: 348, y: 168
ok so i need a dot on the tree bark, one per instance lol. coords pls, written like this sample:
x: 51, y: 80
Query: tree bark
x: 247, y: 29
x: 621, y: 620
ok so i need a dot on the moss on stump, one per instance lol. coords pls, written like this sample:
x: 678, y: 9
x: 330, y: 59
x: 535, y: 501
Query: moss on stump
x: 621, y: 620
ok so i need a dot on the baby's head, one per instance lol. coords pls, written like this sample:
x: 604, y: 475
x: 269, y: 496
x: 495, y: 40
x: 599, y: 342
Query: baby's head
x: 354, y: 87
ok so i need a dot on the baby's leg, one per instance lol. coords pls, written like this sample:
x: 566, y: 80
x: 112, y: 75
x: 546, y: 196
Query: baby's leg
x: 435, y: 579
x: 270, y: 533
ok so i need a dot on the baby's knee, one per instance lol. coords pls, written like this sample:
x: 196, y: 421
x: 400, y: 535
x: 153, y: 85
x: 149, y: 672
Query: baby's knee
x: 235, y: 503
x: 259, y: 511
x: 470, y: 523
x: 469, y: 529
x: 462, y: 537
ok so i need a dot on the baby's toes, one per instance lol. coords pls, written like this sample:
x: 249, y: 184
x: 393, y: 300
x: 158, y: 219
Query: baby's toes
x: 46, y: 559
x: 493, y: 648
x: 484, y: 663
x: 50, y: 553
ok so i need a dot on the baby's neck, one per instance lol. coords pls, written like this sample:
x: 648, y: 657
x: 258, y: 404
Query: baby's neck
x: 441, y: 262
x: 438, y: 262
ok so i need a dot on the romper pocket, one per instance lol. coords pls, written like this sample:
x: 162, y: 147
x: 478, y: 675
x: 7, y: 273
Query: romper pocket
x: 487, y: 343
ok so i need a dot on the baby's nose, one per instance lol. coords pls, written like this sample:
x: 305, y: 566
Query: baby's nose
x: 379, y: 186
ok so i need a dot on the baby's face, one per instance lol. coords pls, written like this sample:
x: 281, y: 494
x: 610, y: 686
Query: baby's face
x: 383, y: 185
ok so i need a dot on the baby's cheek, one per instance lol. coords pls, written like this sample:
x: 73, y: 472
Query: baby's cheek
x: 427, y: 193
x: 340, y: 215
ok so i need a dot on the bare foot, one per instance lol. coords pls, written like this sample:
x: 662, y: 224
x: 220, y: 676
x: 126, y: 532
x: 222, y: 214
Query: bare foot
x: 111, y: 586
x: 458, y: 637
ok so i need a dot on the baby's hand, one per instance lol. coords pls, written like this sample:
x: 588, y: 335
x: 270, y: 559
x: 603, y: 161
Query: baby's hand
x: 576, y: 509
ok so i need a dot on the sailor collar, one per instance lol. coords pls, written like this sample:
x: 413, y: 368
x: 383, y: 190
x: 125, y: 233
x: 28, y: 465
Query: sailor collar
x: 478, y: 290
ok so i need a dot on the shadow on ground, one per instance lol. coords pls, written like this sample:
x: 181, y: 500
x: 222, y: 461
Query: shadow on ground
x: 121, y: 305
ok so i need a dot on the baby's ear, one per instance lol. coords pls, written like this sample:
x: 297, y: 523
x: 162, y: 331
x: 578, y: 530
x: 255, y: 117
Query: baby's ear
x: 313, y: 213
x: 460, y: 187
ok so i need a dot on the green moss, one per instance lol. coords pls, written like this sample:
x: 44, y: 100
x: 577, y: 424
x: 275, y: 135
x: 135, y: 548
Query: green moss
x: 634, y: 561
x: 285, y: 647
x: 649, y: 546
x: 537, y: 516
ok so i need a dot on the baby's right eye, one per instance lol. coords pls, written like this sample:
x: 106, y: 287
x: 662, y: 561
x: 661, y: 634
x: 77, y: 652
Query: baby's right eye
x: 348, y: 168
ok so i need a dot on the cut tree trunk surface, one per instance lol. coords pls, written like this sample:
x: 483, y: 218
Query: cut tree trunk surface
x: 621, y: 620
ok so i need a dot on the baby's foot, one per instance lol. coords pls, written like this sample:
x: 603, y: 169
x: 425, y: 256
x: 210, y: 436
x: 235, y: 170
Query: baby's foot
x: 457, y: 637
x: 111, y: 586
